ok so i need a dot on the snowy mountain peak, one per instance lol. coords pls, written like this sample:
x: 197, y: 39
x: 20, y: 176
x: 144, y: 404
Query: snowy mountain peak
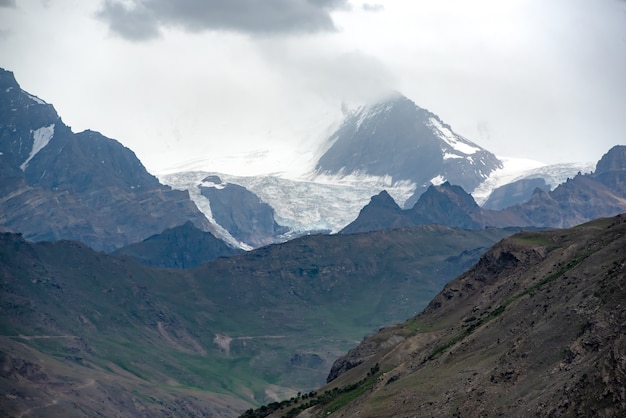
x: 397, y: 139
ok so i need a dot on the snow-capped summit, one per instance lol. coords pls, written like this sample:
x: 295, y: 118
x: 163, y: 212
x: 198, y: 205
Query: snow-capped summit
x: 399, y: 140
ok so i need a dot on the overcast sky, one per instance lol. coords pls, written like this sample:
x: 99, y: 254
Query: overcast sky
x: 253, y: 86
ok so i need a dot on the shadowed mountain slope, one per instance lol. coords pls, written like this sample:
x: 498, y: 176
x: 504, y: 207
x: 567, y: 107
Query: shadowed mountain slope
x: 182, y: 247
x: 536, y: 328
x: 241, y: 213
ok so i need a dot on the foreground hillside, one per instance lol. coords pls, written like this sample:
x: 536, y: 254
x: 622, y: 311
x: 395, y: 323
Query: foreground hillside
x: 536, y: 328
x: 85, y: 333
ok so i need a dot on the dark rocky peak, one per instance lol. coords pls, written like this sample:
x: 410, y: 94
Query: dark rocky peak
x: 614, y: 159
x: 452, y: 193
x: 383, y: 199
x: 382, y: 212
x: 447, y: 205
x: 28, y: 124
x: 387, y: 138
x: 7, y: 79
x: 88, y: 160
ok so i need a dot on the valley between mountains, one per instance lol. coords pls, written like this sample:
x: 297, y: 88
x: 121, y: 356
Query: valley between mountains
x: 407, y: 272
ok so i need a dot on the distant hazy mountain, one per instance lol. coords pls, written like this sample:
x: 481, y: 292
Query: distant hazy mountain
x: 399, y: 140
x: 182, y: 247
x: 55, y: 184
x: 514, y: 193
x: 516, y: 179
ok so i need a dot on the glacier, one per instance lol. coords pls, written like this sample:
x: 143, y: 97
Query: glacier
x: 302, y: 205
x: 327, y: 203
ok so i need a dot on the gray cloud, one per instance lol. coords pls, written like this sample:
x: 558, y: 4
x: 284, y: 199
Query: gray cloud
x: 144, y: 19
x: 136, y: 24
x: 7, y: 3
x: 373, y: 7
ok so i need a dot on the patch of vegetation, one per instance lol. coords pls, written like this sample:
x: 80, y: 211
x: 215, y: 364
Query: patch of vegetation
x: 535, y: 238
x: 415, y: 326
x: 329, y: 401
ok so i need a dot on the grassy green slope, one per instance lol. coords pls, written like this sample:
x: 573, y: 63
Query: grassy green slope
x: 217, y: 339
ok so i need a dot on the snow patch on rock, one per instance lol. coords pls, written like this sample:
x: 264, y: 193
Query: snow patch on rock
x: 41, y: 138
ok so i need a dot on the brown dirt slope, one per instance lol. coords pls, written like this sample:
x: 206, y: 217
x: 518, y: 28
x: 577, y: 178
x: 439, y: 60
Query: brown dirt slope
x: 536, y: 328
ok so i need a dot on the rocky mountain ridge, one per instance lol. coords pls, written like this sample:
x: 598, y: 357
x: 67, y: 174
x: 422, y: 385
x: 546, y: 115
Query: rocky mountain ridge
x: 57, y: 184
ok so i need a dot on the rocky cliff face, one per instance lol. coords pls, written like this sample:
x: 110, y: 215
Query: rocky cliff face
x: 56, y: 184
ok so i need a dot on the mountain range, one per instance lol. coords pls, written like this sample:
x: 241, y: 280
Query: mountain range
x: 393, y: 145
x: 57, y: 184
x: 177, y: 319
x: 585, y: 197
